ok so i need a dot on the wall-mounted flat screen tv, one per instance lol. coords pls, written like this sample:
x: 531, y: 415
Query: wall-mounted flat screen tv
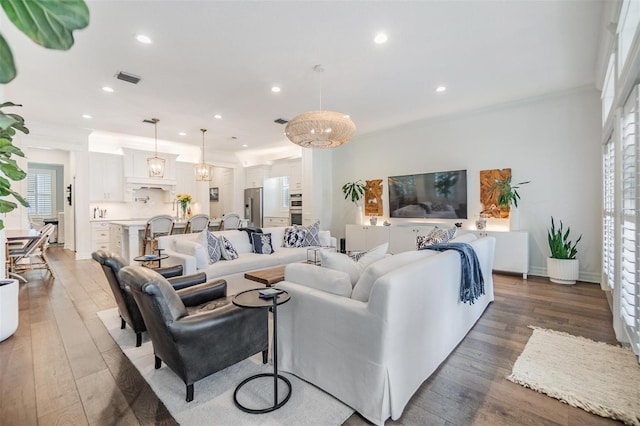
x: 439, y: 195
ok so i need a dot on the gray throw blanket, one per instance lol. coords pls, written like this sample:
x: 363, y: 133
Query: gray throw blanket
x: 471, y: 280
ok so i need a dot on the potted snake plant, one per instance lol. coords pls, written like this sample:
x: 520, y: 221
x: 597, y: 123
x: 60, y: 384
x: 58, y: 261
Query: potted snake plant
x: 562, y: 266
x: 354, y: 191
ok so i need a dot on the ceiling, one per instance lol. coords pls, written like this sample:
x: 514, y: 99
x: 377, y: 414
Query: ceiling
x: 210, y: 57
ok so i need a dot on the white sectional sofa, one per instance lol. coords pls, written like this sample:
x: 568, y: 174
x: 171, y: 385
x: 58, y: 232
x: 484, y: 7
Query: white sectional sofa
x: 182, y: 249
x: 374, y: 353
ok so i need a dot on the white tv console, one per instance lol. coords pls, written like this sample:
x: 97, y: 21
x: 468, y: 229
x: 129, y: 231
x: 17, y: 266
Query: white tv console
x: 512, y: 247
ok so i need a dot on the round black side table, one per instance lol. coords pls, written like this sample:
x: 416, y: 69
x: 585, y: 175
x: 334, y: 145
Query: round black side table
x: 250, y: 299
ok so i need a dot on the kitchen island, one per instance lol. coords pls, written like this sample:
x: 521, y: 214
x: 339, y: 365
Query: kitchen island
x: 126, y: 236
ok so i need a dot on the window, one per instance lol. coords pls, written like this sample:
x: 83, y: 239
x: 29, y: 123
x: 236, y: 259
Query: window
x: 627, y: 26
x: 629, y: 284
x: 41, y: 191
x: 608, y: 217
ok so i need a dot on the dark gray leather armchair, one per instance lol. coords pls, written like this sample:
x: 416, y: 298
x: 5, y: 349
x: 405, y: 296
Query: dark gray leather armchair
x: 129, y: 313
x: 199, y: 342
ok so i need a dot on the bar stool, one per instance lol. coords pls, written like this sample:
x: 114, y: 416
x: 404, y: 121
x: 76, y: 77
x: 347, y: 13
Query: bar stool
x: 196, y: 223
x: 230, y: 221
x: 156, y: 227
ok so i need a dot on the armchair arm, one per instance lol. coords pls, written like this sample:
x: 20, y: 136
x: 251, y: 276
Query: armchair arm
x: 188, y: 262
x: 170, y: 271
x: 184, y: 281
x: 202, y: 293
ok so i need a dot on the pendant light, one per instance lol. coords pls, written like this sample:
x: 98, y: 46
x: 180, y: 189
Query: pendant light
x: 155, y: 164
x: 204, y: 171
x: 320, y: 129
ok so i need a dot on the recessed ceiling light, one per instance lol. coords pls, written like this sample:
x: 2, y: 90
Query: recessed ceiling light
x: 380, y: 38
x: 182, y: 134
x: 108, y: 89
x: 441, y: 89
x: 217, y: 116
x: 275, y: 89
x: 144, y: 39
x: 245, y: 145
x: 87, y: 116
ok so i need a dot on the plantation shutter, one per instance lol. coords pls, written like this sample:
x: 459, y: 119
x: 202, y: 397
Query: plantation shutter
x: 40, y: 184
x: 608, y: 217
x: 629, y: 284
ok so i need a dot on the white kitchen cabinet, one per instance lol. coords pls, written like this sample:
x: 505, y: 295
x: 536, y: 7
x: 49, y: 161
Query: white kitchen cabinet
x: 276, y: 221
x: 512, y: 251
x: 135, y: 165
x: 363, y: 238
x: 255, y: 176
x: 106, y: 177
x: 115, y: 239
x: 295, y: 176
x: 185, y: 179
x: 100, y: 236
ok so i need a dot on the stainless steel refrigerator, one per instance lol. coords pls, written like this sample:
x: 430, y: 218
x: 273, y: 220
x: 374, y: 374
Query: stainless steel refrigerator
x: 253, y: 207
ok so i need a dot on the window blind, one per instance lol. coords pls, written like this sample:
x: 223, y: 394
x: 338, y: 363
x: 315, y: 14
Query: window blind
x: 629, y: 284
x: 608, y: 217
x: 40, y: 192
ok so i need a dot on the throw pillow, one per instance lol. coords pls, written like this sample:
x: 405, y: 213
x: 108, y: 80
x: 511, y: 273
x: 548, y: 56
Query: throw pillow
x: 228, y: 252
x: 312, y: 237
x: 436, y: 236
x: 262, y: 243
x: 211, y: 244
x: 294, y: 236
x: 342, y: 262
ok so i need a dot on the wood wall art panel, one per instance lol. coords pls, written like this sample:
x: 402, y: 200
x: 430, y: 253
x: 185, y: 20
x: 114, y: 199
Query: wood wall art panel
x: 373, y: 198
x: 489, y: 201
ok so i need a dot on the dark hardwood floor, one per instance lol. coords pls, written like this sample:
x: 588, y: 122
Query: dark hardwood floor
x: 62, y: 367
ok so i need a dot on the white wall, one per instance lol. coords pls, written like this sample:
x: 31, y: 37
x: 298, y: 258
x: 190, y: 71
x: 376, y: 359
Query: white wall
x: 553, y: 141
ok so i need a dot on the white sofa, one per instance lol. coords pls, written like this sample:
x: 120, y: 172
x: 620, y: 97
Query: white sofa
x: 373, y: 355
x: 179, y: 248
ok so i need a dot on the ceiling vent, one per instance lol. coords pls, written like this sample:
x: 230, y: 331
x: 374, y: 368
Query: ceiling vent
x: 129, y: 78
x: 280, y: 121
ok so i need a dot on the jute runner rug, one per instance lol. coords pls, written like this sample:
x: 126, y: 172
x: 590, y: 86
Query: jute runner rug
x: 597, y: 377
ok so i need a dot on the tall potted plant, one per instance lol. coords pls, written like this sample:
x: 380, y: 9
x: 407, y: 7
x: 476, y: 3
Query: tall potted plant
x: 508, y: 197
x: 355, y: 191
x: 562, y: 266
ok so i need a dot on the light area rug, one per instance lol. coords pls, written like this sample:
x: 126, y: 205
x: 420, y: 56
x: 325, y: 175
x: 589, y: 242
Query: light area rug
x: 597, y: 377
x: 213, y: 395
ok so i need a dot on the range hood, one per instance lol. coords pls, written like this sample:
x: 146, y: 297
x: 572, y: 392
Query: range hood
x: 150, y: 183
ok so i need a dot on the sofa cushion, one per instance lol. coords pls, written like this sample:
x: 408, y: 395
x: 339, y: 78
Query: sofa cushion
x: 228, y: 252
x: 465, y: 237
x: 363, y: 287
x: 342, y: 262
x: 294, y: 236
x: 311, y: 238
x: 335, y: 282
x: 240, y: 240
x: 277, y: 235
x: 436, y: 236
x: 211, y: 244
x: 195, y: 249
x: 325, y: 238
x: 262, y: 243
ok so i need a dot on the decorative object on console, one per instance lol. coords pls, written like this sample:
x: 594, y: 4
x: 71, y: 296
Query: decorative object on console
x: 203, y: 171
x: 481, y: 222
x: 562, y: 266
x: 373, y: 198
x: 436, y: 236
x: 373, y: 220
x: 508, y: 199
x: 155, y: 163
x: 320, y: 129
x: 183, y: 200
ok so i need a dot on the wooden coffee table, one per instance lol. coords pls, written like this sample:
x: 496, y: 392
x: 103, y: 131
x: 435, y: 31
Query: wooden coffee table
x: 268, y: 276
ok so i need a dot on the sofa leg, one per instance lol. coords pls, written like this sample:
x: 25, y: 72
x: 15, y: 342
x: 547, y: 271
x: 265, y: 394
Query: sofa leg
x: 265, y: 356
x: 158, y: 363
x: 138, y: 339
x: 123, y: 323
x: 190, y: 392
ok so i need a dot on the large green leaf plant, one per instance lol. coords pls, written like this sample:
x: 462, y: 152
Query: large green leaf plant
x: 559, y: 243
x: 49, y: 23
